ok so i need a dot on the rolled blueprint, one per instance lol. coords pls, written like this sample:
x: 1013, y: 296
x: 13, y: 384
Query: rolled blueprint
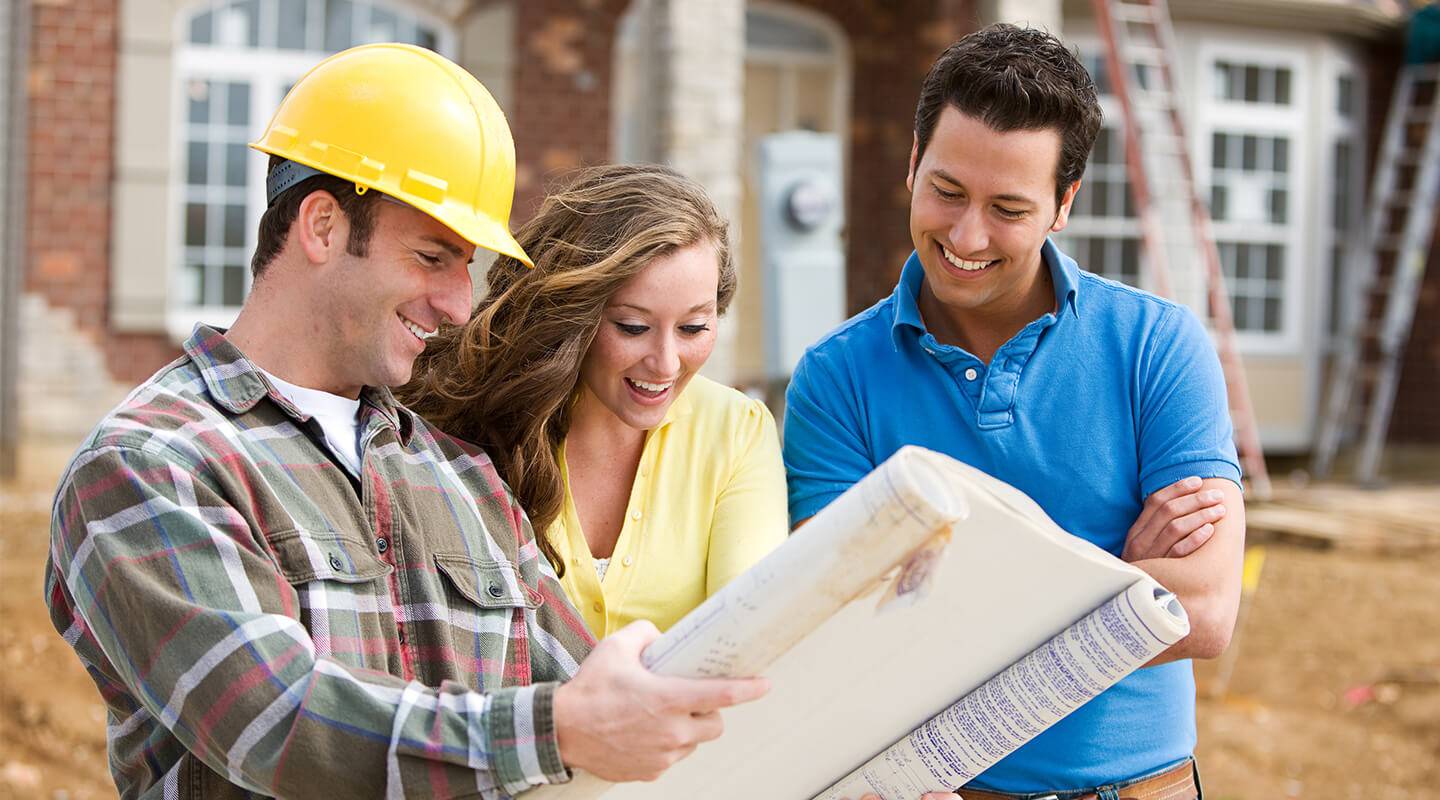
x: 1032, y: 694
x: 902, y: 511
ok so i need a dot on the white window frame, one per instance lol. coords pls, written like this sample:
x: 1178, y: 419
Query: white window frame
x: 1337, y: 62
x: 267, y: 70
x: 1214, y: 115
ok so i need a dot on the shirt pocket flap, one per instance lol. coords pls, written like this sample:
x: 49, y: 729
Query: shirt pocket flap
x: 305, y: 556
x: 488, y: 584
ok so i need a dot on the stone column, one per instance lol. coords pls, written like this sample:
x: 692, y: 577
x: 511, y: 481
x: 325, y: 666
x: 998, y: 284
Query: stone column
x: 699, y: 82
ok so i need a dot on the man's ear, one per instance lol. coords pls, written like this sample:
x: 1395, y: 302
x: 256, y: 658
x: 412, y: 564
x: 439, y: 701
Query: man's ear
x: 1062, y: 215
x: 320, y: 228
x: 914, y: 162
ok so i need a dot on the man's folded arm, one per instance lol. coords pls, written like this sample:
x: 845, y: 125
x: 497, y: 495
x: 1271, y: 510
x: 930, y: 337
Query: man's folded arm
x: 190, y: 612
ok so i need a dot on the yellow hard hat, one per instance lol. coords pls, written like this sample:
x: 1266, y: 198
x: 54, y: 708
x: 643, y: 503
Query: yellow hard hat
x: 410, y: 123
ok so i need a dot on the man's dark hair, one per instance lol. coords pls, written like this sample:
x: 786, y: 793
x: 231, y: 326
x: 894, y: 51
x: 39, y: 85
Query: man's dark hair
x: 1013, y: 79
x: 275, y: 224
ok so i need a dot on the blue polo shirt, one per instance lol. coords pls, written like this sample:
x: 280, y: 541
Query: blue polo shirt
x: 1088, y: 410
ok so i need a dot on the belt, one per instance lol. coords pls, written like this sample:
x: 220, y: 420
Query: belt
x: 1177, y: 783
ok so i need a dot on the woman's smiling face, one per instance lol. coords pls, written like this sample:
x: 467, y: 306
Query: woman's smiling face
x: 655, y: 333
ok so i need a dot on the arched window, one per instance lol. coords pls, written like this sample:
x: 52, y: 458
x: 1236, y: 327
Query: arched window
x: 237, y: 60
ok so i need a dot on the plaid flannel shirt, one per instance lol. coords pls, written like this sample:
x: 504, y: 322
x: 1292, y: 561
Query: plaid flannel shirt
x: 258, y: 622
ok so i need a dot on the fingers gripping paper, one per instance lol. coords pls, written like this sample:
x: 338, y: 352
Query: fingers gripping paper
x: 927, y: 587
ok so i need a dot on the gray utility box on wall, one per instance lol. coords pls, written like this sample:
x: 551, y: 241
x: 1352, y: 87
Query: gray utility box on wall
x: 802, y: 217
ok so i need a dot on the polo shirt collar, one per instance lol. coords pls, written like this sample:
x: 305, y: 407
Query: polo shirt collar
x: 237, y: 385
x: 1064, y: 275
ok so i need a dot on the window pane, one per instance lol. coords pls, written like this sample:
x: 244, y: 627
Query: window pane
x: 1102, y: 146
x: 338, y: 17
x: 196, y: 164
x: 1222, y: 80
x: 237, y: 103
x: 198, y: 93
x: 194, y: 283
x: 202, y: 28
x: 1241, y: 311
x: 1282, y: 87
x: 1130, y: 262
x: 239, y: 25
x: 1277, y: 206
x: 427, y: 38
x: 195, y: 224
x: 235, y: 164
x: 1252, y: 84
x: 1274, y: 263
x: 1217, y: 202
x: 1340, y: 197
x: 1247, y: 158
x: 1272, y: 314
x: 233, y: 292
x: 290, y: 26
x: 1217, y: 150
x: 1345, y: 95
x: 1282, y: 155
x: 234, y: 226
x: 1102, y: 199
x: 1242, y: 261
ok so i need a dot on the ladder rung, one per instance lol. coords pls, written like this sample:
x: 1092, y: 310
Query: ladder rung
x: 1389, y: 243
x: 1146, y: 55
x: 1133, y: 12
x: 1400, y: 197
x: 1418, y: 115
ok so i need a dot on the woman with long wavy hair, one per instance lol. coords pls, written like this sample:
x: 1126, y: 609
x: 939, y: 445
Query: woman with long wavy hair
x: 650, y: 486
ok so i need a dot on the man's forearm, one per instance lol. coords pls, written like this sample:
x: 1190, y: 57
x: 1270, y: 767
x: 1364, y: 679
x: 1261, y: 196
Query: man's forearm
x: 1207, y: 582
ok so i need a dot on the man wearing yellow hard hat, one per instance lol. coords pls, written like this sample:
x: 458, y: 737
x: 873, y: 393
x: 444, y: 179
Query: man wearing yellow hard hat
x: 286, y: 584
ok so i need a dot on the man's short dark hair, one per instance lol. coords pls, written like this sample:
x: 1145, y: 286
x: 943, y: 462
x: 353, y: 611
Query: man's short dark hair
x: 275, y: 224
x: 1013, y: 79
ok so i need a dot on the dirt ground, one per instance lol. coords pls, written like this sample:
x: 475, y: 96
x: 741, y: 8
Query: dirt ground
x: 1335, y: 690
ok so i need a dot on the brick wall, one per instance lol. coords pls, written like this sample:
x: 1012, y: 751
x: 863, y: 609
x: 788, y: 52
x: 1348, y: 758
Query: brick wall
x: 562, y: 76
x: 72, y: 104
x: 1417, y: 403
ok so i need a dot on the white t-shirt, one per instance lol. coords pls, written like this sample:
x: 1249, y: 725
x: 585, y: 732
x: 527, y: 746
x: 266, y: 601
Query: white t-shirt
x: 339, y: 418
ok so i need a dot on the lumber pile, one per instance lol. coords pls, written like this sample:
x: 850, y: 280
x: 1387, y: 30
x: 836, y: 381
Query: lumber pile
x: 1396, y: 519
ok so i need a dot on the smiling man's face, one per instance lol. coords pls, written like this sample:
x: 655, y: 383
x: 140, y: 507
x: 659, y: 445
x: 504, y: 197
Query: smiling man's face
x: 383, y: 305
x: 981, y: 204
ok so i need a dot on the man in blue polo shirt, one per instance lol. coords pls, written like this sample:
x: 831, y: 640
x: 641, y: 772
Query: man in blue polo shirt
x: 1089, y: 396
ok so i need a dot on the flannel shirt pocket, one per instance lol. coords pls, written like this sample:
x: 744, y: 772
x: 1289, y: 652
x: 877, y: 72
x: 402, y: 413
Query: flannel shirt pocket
x: 305, y: 556
x: 486, y: 583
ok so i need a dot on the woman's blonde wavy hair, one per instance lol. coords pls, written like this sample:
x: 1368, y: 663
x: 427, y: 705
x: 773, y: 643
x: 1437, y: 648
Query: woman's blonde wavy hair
x: 505, y: 379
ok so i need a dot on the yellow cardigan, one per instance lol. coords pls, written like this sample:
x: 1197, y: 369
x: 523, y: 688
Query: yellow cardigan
x: 708, y: 502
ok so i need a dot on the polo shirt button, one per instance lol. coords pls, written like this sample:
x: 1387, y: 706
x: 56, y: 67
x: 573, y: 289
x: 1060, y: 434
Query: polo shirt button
x: 335, y: 562
x: 597, y: 606
x: 971, y: 374
x: 628, y: 561
x: 635, y: 515
x: 382, y: 544
x: 495, y: 590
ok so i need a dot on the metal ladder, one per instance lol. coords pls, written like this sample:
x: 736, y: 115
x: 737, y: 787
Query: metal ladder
x: 1182, y: 260
x: 1400, y: 233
